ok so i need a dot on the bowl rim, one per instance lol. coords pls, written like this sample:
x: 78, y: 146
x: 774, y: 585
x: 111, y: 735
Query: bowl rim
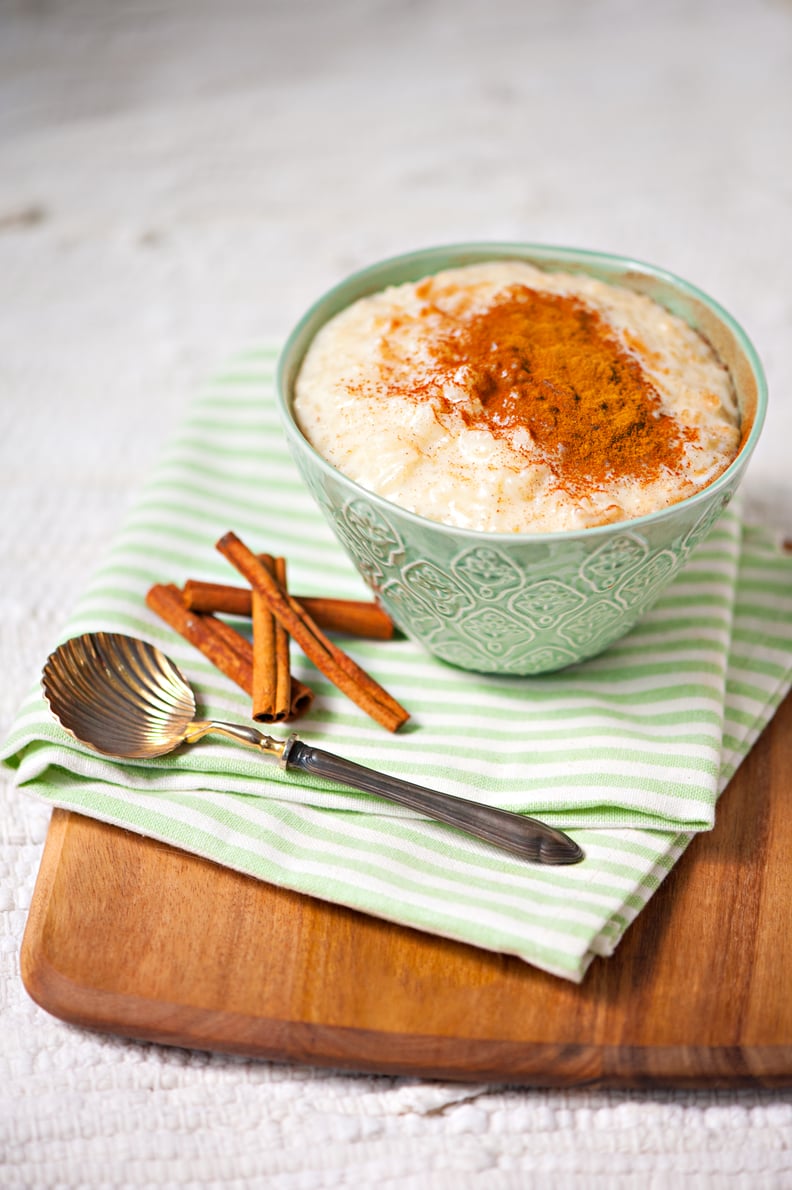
x: 502, y: 250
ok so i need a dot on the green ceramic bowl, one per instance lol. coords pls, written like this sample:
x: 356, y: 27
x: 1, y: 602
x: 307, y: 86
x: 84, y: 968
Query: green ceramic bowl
x: 522, y: 603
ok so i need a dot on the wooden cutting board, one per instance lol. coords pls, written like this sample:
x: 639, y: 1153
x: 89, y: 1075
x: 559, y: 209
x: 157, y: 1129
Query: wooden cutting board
x: 136, y: 938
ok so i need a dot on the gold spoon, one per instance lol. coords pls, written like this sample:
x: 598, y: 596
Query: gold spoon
x: 124, y: 698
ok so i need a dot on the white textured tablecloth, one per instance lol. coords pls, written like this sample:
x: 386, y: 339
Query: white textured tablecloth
x: 179, y: 180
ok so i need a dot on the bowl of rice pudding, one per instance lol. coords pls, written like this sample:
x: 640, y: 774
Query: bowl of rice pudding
x: 517, y: 445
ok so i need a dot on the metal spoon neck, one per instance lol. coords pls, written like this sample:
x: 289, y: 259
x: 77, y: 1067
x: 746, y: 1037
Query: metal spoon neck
x: 241, y: 733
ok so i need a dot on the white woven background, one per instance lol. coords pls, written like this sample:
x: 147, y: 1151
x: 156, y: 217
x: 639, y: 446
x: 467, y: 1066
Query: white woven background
x: 177, y: 181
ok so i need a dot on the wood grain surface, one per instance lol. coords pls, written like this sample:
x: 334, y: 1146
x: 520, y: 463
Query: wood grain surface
x: 133, y: 937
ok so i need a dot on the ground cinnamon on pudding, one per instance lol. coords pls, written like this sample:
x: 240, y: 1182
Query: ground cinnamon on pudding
x: 546, y: 362
x: 503, y: 398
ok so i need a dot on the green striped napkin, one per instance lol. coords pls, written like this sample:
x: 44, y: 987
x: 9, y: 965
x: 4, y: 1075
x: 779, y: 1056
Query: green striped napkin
x: 628, y: 752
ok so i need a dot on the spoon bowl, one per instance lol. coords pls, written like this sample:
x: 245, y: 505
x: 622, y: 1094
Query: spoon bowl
x: 119, y: 695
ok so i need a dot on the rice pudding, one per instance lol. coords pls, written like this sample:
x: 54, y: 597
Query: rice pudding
x: 503, y: 398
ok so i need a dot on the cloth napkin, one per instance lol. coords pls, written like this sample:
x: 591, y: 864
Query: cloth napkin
x: 628, y: 752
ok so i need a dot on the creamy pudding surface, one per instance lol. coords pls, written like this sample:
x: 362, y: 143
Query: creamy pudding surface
x: 503, y: 398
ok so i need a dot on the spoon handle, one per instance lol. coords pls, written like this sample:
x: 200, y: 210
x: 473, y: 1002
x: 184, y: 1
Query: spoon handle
x: 515, y: 833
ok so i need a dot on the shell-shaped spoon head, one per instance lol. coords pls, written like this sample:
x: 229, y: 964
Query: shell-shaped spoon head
x: 118, y: 695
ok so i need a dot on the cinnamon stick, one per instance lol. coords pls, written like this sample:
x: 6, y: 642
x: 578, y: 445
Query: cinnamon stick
x: 226, y: 648
x: 282, y: 659
x: 353, y: 617
x: 300, y: 699
x: 202, y: 631
x: 235, y: 640
x: 336, y: 665
x: 271, y: 672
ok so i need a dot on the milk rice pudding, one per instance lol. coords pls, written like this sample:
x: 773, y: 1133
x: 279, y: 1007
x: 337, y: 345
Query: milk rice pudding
x: 503, y: 398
